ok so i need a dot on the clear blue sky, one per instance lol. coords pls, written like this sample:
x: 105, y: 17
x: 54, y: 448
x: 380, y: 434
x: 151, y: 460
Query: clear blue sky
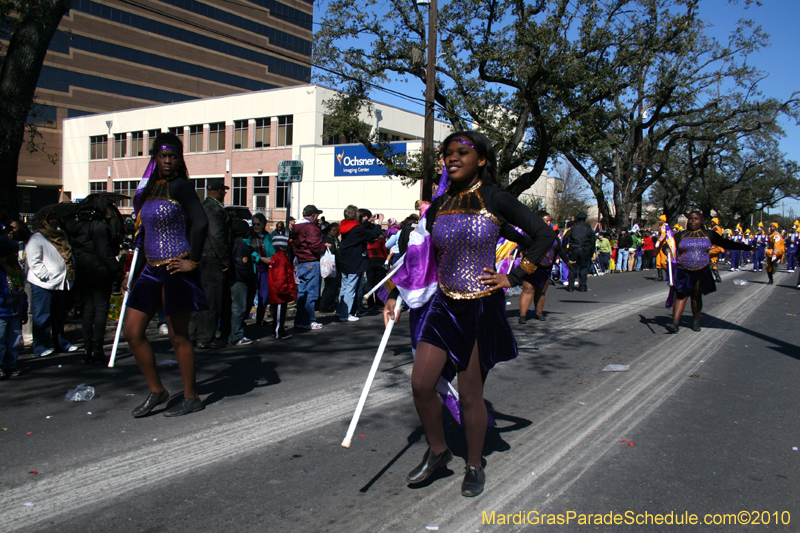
x: 779, y: 19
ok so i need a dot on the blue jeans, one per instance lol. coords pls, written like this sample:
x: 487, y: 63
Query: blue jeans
x: 638, y: 264
x: 622, y: 260
x: 350, y: 292
x: 308, y: 280
x: 10, y: 336
x: 48, y: 320
x: 238, y: 310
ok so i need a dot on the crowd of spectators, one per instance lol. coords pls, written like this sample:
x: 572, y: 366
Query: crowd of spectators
x: 69, y: 263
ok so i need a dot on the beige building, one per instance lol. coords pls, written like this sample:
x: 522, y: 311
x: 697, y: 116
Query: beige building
x: 109, y: 55
x: 240, y: 139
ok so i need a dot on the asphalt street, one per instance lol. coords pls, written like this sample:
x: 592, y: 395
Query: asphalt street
x: 702, y: 424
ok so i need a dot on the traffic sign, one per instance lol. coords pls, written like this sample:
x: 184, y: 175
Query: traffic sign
x: 290, y: 171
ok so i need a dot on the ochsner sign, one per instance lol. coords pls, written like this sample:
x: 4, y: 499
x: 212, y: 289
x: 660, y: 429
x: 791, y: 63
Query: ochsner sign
x: 357, y: 161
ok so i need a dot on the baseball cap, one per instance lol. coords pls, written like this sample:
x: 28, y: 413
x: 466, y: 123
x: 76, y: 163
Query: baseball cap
x: 216, y: 185
x: 311, y: 210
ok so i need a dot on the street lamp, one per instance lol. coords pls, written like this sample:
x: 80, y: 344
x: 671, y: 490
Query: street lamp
x: 428, y: 166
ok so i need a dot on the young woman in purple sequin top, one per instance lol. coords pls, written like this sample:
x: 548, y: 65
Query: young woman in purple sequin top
x: 693, y: 277
x: 171, y: 231
x: 464, y: 329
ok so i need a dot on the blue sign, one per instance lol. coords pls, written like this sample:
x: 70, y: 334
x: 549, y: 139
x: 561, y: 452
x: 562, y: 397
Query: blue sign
x: 357, y: 161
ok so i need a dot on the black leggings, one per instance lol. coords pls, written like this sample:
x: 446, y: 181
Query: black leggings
x: 95, y: 311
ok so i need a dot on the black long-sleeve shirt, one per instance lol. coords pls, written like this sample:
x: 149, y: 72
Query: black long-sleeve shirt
x: 533, y: 244
x: 716, y: 239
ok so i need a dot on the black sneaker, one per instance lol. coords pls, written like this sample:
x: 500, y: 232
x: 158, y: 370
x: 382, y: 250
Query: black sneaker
x: 696, y: 326
x: 15, y: 373
x: 672, y: 327
x: 521, y: 320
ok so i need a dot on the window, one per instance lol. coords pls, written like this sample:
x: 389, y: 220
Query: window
x: 261, y: 185
x: 383, y: 137
x: 216, y: 137
x: 285, y: 129
x: 200, y: 188
x: 239, y: 191
x: 137, y: 144
x: 177, y: 131
x: 282, y: 195
x: 195, y: 138
x: 97, y: 187
x: 119, y: 145
x: 151, y: 137
x: 98, y: 147
x: 262, y: 132
x: 239, y: 134
x: 395, y: 138
x: 127, y: 188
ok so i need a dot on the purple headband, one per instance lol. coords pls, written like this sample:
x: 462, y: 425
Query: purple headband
x: 168, y: 147
x: 464, y: 141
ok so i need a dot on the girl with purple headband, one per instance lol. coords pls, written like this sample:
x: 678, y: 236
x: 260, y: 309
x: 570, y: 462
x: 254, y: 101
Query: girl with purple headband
x: 464, y: 329
x: 693, y: 277
x: 171, y: 229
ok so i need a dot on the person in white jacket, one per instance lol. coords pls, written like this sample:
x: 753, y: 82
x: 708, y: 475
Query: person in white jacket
x: 50, y: 273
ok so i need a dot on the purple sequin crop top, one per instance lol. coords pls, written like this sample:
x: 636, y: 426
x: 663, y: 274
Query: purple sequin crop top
x: 693, y: 250
x: 164, y: 223
x: 465, y: 236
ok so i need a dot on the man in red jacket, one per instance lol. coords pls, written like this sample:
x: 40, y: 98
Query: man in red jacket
x: 308, y: 248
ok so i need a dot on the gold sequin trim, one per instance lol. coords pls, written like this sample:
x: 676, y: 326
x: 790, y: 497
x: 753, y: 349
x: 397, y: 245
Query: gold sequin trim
x: 165, y: 261
x: 527, y: 266
x: 467, y: 296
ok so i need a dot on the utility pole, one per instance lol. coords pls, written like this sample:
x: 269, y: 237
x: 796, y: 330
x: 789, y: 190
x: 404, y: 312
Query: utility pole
x: 428, y: 161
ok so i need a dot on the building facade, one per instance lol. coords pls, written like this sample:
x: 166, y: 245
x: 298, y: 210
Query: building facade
x: 240, y: 139
x: 111, y: 55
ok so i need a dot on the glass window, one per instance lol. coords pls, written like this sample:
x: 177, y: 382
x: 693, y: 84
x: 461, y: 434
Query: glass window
x: 119, y: 145
x: 239, y: 190
x: 261, y: 185
x: 97, y: 187
x: 127, y: 188
x: 200, y: 188
x: 285, y: 130
x: 151, y: 137
x: 195, y: 138
x: 98, y: 147
x: 216, y: 136
x: 177, y: 131
x: 239, y: 134
x: 137, y: 144
x: 282, y: 195
x: 262, y: 132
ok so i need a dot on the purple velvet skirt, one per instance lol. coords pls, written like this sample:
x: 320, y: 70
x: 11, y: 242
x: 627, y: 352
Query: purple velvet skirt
x: 686, y: 280
x: 456, y: 325
x: 539, y: 277
x: 183, y: 293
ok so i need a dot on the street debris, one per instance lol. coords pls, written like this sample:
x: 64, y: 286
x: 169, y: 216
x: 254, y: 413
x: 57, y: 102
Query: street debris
x: 88, y: 412
x: 27, y: 504
x: 34, y: 472
x: 168, y: 362
x: 694, y: 376
x: 741, y: 282
x: 616, y: 368
x: 432, y: 528
x: 81, y: 393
